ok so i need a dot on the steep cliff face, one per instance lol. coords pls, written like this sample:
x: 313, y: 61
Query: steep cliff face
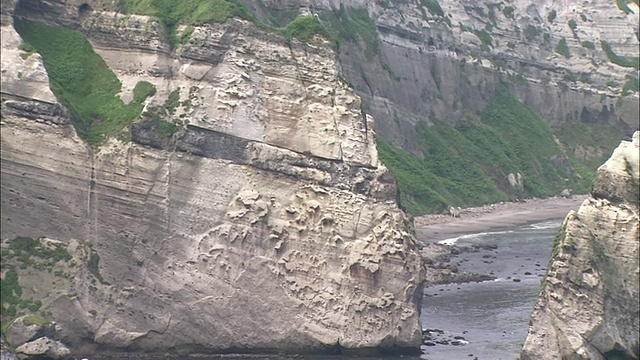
x: 248, y: 213
x: 438, y: 61
x: 430, y: 62
x: 588, y: 307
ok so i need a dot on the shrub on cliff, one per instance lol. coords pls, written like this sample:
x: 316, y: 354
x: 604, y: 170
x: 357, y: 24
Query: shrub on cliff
x: 467, y: 164
x: 563, y: 48
x: 82, y: 81
x: 633, y: 62
x: 186, y: 12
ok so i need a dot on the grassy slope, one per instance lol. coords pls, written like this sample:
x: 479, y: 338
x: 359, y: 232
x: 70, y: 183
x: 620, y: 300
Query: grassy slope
x: 82, y: 81
x: 186, y: 12
x: 597, y: 136
x: 467, y: 164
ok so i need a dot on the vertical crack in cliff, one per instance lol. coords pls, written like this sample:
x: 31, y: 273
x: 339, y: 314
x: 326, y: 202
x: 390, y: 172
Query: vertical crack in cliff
x: 92, y: 199
x: 355, y: 228
x: 167, y: 208
x: 335, y: 125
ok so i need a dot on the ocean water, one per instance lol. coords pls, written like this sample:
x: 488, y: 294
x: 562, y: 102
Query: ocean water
x: 490, y: 318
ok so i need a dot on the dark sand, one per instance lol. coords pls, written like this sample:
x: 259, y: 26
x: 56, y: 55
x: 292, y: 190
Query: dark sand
x: 494, y: 217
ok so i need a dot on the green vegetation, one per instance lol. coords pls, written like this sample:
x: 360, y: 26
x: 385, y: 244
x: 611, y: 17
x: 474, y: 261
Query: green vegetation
x: 555, y: 250
x: 465, y: 28
x: 304, y: 28
x: 24, y: 253
x: 93, y: 263
x: 630, y: 85
x: 583, y: 17
x: 34, y: 253
x: 433, y: 7
x: 619, y: 60
x: 485, y: 37
x: 563, y: 49
x: 10, y: 294
x: 28, y: 50
x: 492, y: 12
x: 508, y: 11
x: 573, y: 25
x: 586, y: 78
x: 588, y: 45
x: 353, y: 25
x: 467, y: 164
x: 622, y: 5
x: 172, y: 102
x: 531, y: 32
x: 82, y: 81
x: 11, y: 297
x: 161, y: 115
x: 586, y: 159
x: 35, y: 320
x: 173, y: 13
x: 552, y: 16
x: 612, y: 83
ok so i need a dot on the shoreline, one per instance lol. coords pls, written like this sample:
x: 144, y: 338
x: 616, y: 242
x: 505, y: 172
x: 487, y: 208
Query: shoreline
x: 436, y: 227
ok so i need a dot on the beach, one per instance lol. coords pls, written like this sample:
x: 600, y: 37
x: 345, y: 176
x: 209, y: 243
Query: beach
x: 494, y: 217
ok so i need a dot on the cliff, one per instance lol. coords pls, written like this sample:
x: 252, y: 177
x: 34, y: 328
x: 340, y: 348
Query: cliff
x: 437, y: 69
x: 588, y: 306
x: 244, y: 210
x: 431, y: 59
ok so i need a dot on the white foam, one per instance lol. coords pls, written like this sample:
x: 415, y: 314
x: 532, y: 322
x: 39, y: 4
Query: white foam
x: 551, y: 224
x: 476, y: 236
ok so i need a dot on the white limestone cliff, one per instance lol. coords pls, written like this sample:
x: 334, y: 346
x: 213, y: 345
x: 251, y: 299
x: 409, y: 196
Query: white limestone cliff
x: 266, y: 225
x: 588, y: 306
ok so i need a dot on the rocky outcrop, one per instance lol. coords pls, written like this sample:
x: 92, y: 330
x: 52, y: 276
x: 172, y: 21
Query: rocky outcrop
x: 265, y: 223
x: 439, y: 67
x: 588, y: 306
x: 44, y: 347
x: 432, y: 65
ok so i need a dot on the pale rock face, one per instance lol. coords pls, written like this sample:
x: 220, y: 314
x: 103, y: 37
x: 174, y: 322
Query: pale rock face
x: 267, y: 224
x: 23, y: 77
x: 588, y: 308
x: 438, y: 67
x: 44, y: 347
x: 242, y: 82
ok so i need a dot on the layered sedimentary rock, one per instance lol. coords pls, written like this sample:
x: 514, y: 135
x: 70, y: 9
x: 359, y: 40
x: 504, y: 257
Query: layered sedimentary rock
x: 265, y: 224
x: 430, y: 65
x: 588, y: 307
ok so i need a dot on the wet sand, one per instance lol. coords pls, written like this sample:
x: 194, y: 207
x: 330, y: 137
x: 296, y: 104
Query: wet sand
x: 495, y: 217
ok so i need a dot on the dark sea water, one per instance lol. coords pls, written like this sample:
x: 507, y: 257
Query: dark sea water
x: 492, y: 316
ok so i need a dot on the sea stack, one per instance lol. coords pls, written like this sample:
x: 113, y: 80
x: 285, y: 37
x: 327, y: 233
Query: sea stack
x: 588, y: 306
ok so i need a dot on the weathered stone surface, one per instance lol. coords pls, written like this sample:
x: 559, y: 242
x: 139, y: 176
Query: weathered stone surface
x: 20, y: 332
x: 44, y: 347
x: 429, y: 69
x: 4, y: 353
x: 265, y: 224
x: 588, y: 307
x: 617, y: 179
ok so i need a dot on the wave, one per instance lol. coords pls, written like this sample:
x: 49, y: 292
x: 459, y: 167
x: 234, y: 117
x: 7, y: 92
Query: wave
x: 551, y: 224
x: 472, y: 237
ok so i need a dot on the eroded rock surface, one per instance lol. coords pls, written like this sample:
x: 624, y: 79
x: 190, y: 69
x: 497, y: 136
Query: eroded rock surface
x: 588, y: 307
x: 265, y: 224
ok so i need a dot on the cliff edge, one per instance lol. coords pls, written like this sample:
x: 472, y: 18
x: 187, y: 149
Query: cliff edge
x: 244, y: 209
x: 588, y: 307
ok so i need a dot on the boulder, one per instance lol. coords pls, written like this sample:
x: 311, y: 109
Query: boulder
x: 26, y: 328
x: 44, y: 347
